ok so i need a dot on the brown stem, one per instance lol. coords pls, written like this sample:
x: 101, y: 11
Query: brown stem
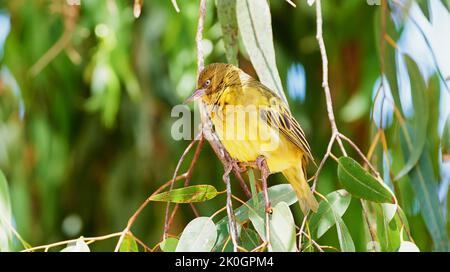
x: 325, y: 85
x: 232, y: 220
x: 177, y: 168
x: 141, y: 208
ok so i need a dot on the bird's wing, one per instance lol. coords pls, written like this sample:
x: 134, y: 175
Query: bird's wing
x: 278, y: 116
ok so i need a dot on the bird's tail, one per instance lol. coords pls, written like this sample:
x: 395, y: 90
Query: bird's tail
x: 296, y: 178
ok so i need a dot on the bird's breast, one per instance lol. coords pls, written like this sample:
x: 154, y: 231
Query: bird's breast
x: 246, y: 137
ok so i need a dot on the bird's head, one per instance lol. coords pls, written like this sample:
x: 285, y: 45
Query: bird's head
x: 213, y: 79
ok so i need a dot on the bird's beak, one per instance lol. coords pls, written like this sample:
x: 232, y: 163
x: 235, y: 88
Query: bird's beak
x: 195, y: 96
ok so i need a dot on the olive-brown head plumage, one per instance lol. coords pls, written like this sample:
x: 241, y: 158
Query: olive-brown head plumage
x: 213, y: 79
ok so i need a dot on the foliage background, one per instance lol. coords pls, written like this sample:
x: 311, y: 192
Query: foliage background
x: 86, y: 94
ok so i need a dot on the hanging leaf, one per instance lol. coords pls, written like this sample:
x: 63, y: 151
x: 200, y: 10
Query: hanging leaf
x: 190, y: 194
x: 282, y: 229
x: 345, y: 239
x: 226, y: 13
x: 129, y: 244
x: 420, y: 119
x: 424, y: 184
x: 389, y: 56
x: 357, y: 181
x: 445, y: 141
x: 387, y: 230
x: 336, y: 205
x: 169, y: 244
x: 256, y: 31
x: 329, y: 214
x: 257, y: 217
x: 5, y: 215
x: 199, y: 236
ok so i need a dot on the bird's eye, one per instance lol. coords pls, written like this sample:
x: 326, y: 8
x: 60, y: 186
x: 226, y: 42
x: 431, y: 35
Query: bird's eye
x: 207, y: 82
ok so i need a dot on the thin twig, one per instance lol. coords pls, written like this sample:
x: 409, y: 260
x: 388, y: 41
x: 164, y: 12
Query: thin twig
x: 175, y: 173
x: 70, y: 14
x: 139, y: 241
x: 301, y: 232
x: 351, y: 143
x: 85, y: 239
x: 231, y: 218
x: 262, y: 165
x: 141, y: 208
x: 372, y: 233
x: 186, y: 183
x: 325, y: 84
x: 319, y: 247
x: 322, y: 163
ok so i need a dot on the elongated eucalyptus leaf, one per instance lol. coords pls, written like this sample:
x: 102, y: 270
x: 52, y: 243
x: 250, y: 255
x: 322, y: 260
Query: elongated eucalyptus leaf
x: 336, y: 205
x: 199, y: 235
x: 388, y: 232
x: 5, y: 215
x: 258, y: 219
x: 190, y: 194
x: 424, y: 185
x: 282, y: 229
x: 329, y: 214
x: 358, y: 182
x: 255, y: 27
x: 420, y: 118
x: 277, y: 193
x: 226, y: 13
x: 445, y: 140
x: 389, y: 52
x: 345, y: 239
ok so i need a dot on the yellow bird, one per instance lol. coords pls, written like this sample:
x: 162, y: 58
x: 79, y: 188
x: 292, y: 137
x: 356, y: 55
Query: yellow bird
x: 252, y: 121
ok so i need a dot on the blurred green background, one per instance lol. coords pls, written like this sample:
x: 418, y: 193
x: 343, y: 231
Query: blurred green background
x: 86, y: 93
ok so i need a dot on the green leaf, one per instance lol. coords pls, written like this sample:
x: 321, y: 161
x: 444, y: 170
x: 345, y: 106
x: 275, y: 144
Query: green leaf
x: 282, y: 229
x: 424, y: 184
x: 198, y: 236
x: 277, y: 193
x: 169, y: 244
x: 256, y: 31
x: 389, y: 57
x: 257, y: 217
x: 345, y: 239
x: 129, y: 244
x: 387, y: 230
x: 336, y: 205
x: 424, y: 6
x: 190, y: 194
x: 358, y: 182
x: 445, y: 141
x: 226, y: 13
x: 5, y: 215
x: 419, y: 121
x: 249, y: 239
